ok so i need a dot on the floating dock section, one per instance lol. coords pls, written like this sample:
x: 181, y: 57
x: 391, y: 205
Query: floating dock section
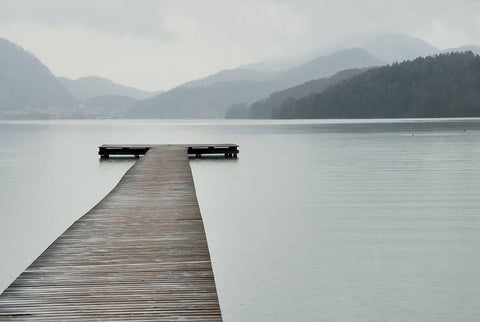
x: 140, y: 254
x: 228, y: 150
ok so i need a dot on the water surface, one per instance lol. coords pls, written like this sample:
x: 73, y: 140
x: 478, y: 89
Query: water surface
x: 317, y: 220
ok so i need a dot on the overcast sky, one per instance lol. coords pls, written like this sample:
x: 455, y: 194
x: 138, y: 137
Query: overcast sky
x: 155, y: 44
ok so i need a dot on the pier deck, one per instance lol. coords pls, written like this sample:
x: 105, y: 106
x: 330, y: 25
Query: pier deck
x: 229, y: 150
x: 140, y: 254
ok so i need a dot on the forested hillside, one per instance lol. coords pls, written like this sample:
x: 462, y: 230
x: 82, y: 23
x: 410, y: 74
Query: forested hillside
x: 217, y: 93
x: 447, y: 85
x: 263, y: 108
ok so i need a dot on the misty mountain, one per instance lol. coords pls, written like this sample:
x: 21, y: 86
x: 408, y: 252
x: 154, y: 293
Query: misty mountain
x: 111, y: 106
x: 325, y: 66
x: 211, y: 101
x: 397, y: 47
x: 474, y: 49
x: 314, y: 86
x: 230, y: 75
x: 263, y: 108
x: 388, y: 47
x: 447, y: 85
x: 92, y: 86
x: 322, y: 66
x: 26, y: 85
x: 275, y: 66
x: 200, y: 102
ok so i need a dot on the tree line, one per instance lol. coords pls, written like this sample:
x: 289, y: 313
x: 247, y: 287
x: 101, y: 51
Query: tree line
x: 445, y: 85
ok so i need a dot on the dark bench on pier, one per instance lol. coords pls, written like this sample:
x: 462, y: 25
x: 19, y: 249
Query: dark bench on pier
x: 228, y: 150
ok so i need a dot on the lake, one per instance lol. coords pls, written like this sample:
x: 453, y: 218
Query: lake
x: 317, y: 220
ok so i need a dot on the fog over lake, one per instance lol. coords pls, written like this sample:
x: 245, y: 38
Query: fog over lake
x: 348, y: 220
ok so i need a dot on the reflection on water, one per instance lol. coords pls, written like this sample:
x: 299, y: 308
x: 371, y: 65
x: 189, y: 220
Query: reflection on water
x: 367, y: 220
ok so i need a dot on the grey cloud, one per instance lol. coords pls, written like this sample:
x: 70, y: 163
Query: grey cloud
x: 142, y: 18
x: 251, y: 22
x: 184, y: 39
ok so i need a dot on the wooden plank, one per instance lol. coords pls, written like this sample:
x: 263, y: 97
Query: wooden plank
x: 139, y: 254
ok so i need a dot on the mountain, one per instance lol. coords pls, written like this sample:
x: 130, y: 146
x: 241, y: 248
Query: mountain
x: 275, y: 66
x: 314, y: 86
x: 107, y: 106
x: 472, y: 48
x: 446, y: 85
x: 263, y: 108
x: 397, y: 47
x: 325, y: 66
x: 92, y: 86
x: 200, y: 102
x: 28, y: 86
x: 213, y: 98
x: 230, y: 75
x: 239, y: 111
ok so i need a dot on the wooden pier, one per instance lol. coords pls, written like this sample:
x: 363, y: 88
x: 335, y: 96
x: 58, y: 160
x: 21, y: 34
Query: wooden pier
x: 229, y: 150
x: 139, y: 254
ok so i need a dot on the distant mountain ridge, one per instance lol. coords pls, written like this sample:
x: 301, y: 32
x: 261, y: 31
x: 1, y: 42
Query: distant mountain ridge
x: 446, y: 85
x: 397, y: 47
x: 28, y: 88
x: 93, y: 86
x: 474, y: 49
x: 231, y: 75
x: 200, y: 102
x: 387, y: 47
x: 212, y: 99
x: 264, y: 108
x: 28, y: 85
x: 325, y: 66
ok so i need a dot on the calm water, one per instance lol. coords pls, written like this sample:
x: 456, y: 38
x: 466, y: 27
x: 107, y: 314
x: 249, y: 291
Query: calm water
x: 316, y: 220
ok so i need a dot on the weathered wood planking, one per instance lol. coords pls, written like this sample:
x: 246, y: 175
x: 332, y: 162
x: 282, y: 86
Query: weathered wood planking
x: 139, y: 254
